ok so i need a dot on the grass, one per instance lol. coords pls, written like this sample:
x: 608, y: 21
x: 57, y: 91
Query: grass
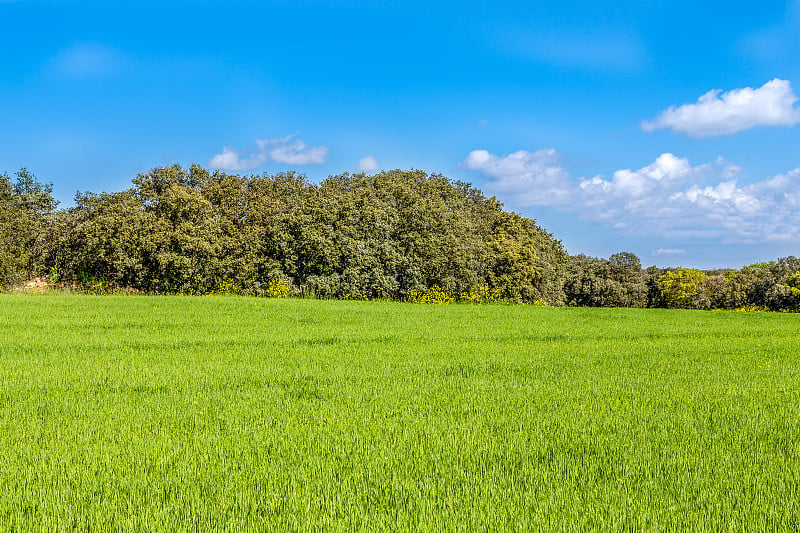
x: 173, y: 413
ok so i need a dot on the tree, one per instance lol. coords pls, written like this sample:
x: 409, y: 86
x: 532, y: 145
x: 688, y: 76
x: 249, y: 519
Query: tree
x: 614, y: 282
x: 352, y: 236
x: 684, y: 288
x: 26, y: 210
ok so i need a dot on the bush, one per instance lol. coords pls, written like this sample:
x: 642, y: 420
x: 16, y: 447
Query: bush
x: 434, y: 295
x: 684, y: 288
x: 279, y: 288
x: 481, y: 295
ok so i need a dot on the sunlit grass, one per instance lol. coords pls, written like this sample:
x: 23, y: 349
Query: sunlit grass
x: 154, y: 413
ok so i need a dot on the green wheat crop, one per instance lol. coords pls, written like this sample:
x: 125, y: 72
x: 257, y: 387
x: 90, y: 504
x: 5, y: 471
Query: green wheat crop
x: 153, y: 413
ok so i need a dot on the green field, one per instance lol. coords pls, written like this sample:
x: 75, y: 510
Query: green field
x: 173, y: 413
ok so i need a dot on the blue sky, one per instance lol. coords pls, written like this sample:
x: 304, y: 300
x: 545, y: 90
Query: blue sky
x: 670, y: 129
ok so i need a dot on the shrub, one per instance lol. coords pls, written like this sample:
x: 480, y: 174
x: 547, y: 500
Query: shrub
x: 228, y: 287
x: 481, y: 295
x: 279, y: 288
x: 434, y: 295
x: 684, y: 288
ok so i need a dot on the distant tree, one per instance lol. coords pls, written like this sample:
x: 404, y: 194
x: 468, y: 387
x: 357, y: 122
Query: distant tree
x: 582, y: 285
x: 654, y: 297
x: 388, y: 235
x: 111, y: 238
x: 614, y: 282
x: 684, y: 288
x: 794, y: 283
x: 626, y: 270
x: 26, y: 210
x: 514, y: 268
x: 718, y: 289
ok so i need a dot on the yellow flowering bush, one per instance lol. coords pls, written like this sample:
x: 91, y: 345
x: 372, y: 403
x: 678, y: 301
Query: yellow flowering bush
x: 794, y: 284
x: 228, y: 287
x: 434, y: 295
x: 481, y: 295
x: 751, y: 309
x: 279, y: 288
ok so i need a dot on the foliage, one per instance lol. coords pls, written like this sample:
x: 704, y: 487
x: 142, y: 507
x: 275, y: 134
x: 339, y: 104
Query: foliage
x: 228, y: 287
x: 618, y: 281
x: 54, y: 276
x: 794, y: 284
x: 434, y: 295
x: 352, y: 236
x: 279, y: 288
x: 767, y: 285
x: 481, y: 295
x: 684, y: 288
x: 393, y: 235
x: 26, y: 209
x: 750, y: 309
x: 521, y: 268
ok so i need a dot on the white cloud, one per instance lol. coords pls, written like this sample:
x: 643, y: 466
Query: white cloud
x: 722, y: 113
x: 669, y: 251
x: 282, y: 150
x: 530, y: 178
x: 292, y: 153
x: 632, y: 195
x: 768, y: 210
x: 668, y: 197
x: 633, y: 184
x: 368, y: 164
x: 230, y: 160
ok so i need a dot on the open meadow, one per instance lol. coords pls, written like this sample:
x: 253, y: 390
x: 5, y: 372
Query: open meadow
x: 146, y: 413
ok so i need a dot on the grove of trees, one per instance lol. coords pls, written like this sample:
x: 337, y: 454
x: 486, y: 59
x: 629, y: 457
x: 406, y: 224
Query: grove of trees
x: 391, y: 235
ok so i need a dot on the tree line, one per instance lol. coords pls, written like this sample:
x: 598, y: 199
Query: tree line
x: 393, y: 235
x: 620, y: 281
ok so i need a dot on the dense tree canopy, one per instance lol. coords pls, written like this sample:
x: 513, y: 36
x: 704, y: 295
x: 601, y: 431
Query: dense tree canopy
x: 618, y: 281
x: 395, y: 235
x: 26, y: 208
x: 352, y: 236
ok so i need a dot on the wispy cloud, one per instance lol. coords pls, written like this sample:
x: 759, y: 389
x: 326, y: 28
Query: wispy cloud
x: 669, y: 251
x: 669, y: 197
x: 603, y: 51
x: 775, y: 47
x: 368, y: 164
x: 722, y: 113
x: 87, y: 60
x: 286, y: 150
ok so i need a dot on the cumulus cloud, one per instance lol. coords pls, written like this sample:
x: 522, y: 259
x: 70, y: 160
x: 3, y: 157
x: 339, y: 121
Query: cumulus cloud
x: 768, y: 210
x: 530, y: 178
x: 668, y: 197
x: 722, y: 113
x: 633, y: 195
x: 368, y: 164
x: 286, y: 150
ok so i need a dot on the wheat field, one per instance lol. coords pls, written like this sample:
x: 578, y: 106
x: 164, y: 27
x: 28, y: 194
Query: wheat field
x: 149, y: 413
